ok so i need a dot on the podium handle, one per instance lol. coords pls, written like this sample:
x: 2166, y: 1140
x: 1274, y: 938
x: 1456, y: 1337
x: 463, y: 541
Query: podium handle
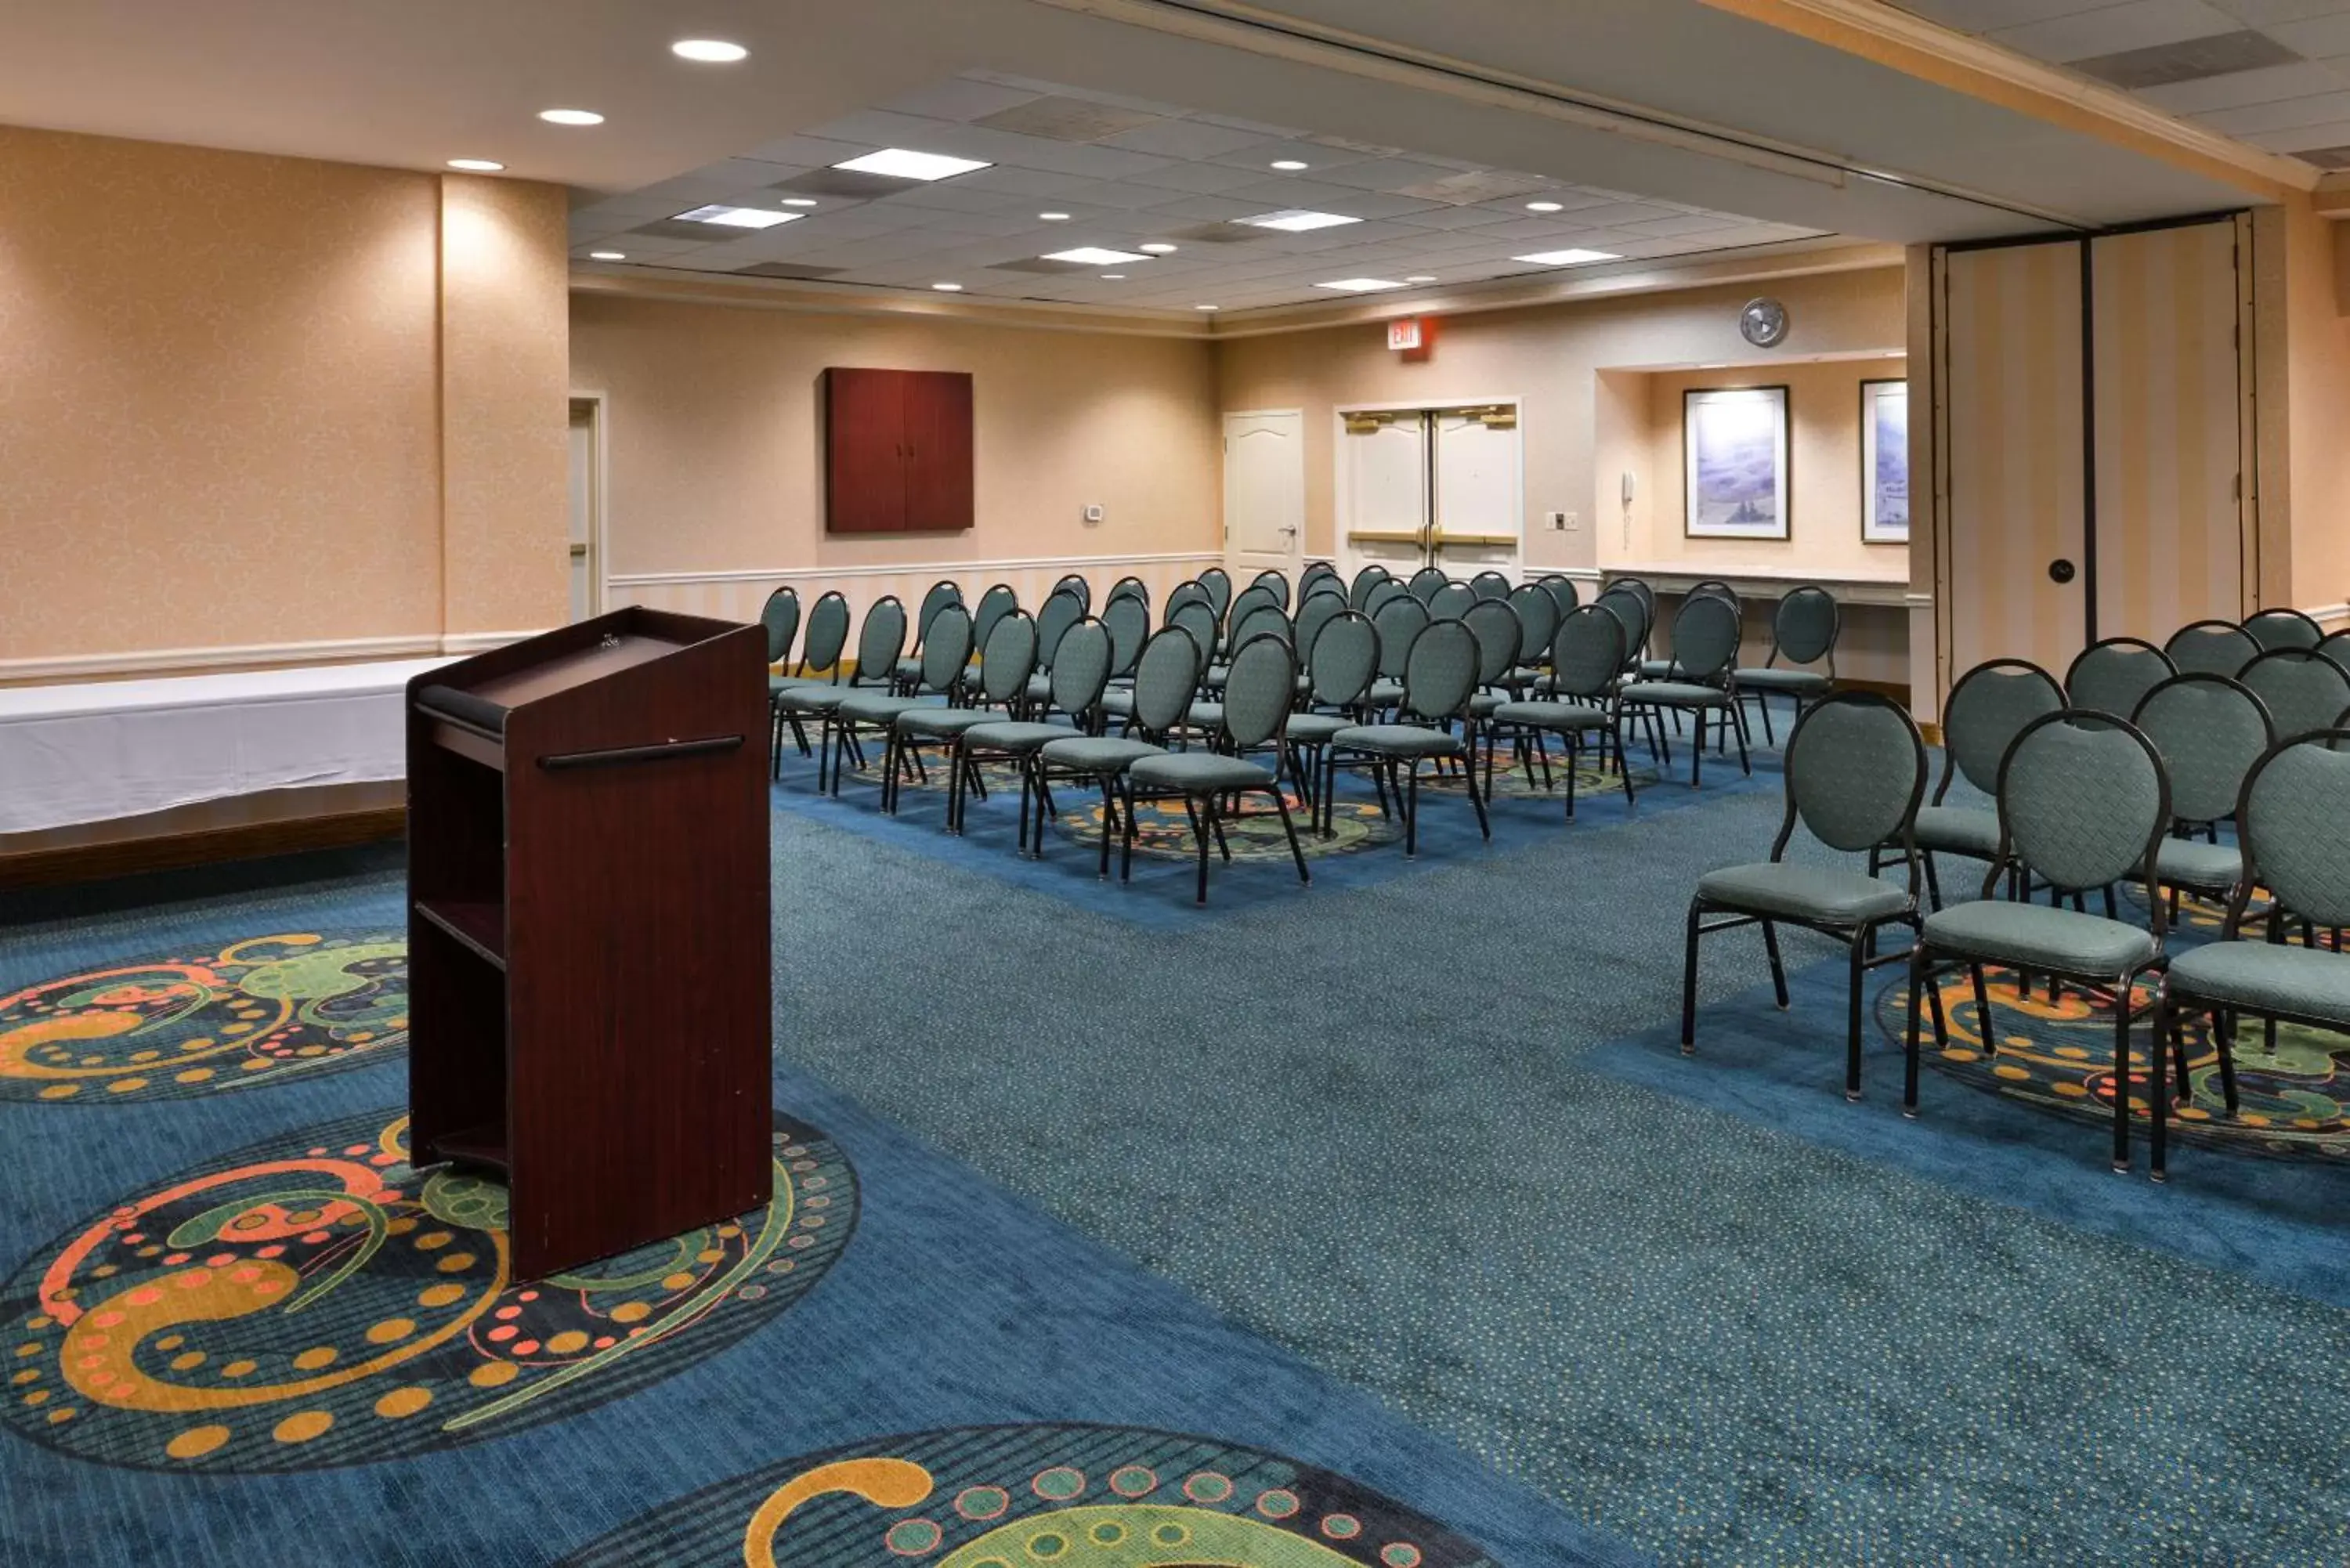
x: 619, y: 756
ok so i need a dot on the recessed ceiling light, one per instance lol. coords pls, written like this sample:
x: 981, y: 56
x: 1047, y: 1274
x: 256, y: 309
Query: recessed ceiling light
x: 1421, y: 278
x: 1360, y: 285
x: 1207, y: 308
x: 1159, y: 248
x: 476, y: 165
x: 1544, y: 207
x: 1054, y: 217
x: 900, y: 163
x: 1297, y: 222
x: 1288, y: 165
x: 708, y: 51
x: 1567, y: 258
x: 607, y: 256
x: 948, y: 287
x: 570, y: 117
x: 799, y: 200
x: 1095, y: 255
x: 738, y: 217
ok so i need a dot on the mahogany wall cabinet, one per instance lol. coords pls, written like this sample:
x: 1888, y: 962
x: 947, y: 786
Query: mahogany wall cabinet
x: 898, y: 452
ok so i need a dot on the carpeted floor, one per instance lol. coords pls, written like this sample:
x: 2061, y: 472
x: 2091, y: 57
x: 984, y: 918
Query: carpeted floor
x: 1421, y: 1136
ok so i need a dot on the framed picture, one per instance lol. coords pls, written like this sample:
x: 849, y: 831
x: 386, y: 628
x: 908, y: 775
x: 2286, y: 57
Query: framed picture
x: 1885, y: 463
x: 1734, y: 441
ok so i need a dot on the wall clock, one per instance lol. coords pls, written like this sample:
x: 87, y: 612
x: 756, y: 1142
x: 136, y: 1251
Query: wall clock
x: 1763, y: 323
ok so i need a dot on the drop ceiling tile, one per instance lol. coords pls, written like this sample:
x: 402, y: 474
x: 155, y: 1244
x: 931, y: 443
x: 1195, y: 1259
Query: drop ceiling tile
x: 1026, y: 183
x: 1990, y: 16
x: 1455, y: 217
x: 1313, y: 155
x: 1377, y: 204
x: 811, y: 151
x: 1271, y: 132
x: 950, y: 196
x: 1687, y: 223
x: 1040, y: 152
x: 749, y: 172
x: 1388, y: 173
x: 879, y: 127
x: 2334, y: 133
x: 2319, y: 38
x: 959, y: 99
x: 1206, y: 209
x: 2111, y: 30
x: 874, y: 251
x: 1125, y: 194
x: 1202, y: 179
x: 1279, y: 194
x: 2239, y: 89
x: 2283, y: 116
x: 2268, y: 13
x: 1188, y: 139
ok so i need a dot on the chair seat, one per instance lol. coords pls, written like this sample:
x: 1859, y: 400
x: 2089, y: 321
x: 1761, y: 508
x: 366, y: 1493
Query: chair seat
x: 1099, y: 753
x: 1316, y: 729
x: 2035, y: 937
x: 1807, y: 892
x: 911, y: 667
x: 2267, y: 977
x: 1676, y: 694
x: 1012, y: 736
x: 2193, y: 864
x: 945, y: 721
x: 1040, y: 688
x: 777, y: 684
x: 1485, y: 704
x: 1803, y: 682
x: 812, y: 698
x: 1119, y: 700
x: 1399, y: 741
x: 1958, y: 830
x: 1384, y: 693
x: 1656, y: 668
x: 1556, y: 717
x: 878, y: 707
x: 1207, y: 715
x: 1198, y: 772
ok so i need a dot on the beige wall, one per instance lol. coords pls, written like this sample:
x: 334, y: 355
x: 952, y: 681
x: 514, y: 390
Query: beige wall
x: 1551, y: 356
x: 222, y: 396
x: 2317, y: 498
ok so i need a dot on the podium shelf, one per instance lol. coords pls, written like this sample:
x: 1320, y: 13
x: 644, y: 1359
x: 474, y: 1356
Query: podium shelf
x: 480, y: 928
x: 482, y: 1147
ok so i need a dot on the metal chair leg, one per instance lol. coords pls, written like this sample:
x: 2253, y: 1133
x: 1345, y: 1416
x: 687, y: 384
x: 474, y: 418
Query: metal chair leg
x: 1778, y: 965
x: 1689, y: 979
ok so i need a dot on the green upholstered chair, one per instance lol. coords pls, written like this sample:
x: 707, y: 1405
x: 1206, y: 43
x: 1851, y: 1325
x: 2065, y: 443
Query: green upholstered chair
x: 1187, y: 592
x: 940, y: 594
x: 1499, y: 635
x: 1712, y: 588
x: 2336, y: 646
x: 1219, y: 583
x: 1367, y: 577
x: 1424, y: 583
x: 1129, y: 620
x: 1587, y: 652
x: 1063, y: 609
x: 1637, y: 611
x: 1314, y: 612
x: 2302, y: 688
x: 1074, y: 583
x: 1385, y: 592
x: 1987, y: 710
x: 1127, y: 587
x: 1805, y: 626
x: 780, y: 618
x: 1538, y: 617
x: 2211, y: 647
x: 879, y: 641
x: 1275, y: 582
x: 1451, y: 601
x: 1639, y: 589
x: 2275, y: 628
x: 1258, y: 694
x: 827, y: 634
x: 2208, y: 731
x: 1260, y: 618
x: 1400, y: 621
x: 1702, y: 680
x: 1326, y: 585
x: 1440, y: 675
x: 2291, y: 814
x: 1006, y: 661
x: 1563, y: 592
x: 1315, y: 572
x: 1490, y: 585
x: 1080, y: 674
x: 2113, y: 674
x: 945, y: 661
x: 2083, y: 801
x: 1342, y: 660
x: 1856, y: 773
x: 1164, y: 679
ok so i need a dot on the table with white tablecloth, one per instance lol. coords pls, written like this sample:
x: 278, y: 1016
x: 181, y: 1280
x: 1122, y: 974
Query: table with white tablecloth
x: 95, y: 750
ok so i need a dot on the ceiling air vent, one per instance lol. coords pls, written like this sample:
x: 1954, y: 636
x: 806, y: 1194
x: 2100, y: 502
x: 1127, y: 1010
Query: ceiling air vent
x: 1067, y: 119
x: 2192, y: 61
x: 1478, y: 185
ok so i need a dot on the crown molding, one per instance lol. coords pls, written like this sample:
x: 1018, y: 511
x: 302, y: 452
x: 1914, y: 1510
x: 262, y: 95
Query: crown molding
x: 685, y: 286
x: 1930, y: 52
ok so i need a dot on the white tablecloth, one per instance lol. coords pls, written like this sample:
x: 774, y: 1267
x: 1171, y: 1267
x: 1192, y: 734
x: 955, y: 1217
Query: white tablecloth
x: 96, y: 750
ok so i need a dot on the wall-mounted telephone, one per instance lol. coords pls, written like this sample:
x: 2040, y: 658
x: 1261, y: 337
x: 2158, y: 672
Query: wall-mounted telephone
x: 1630, y: 483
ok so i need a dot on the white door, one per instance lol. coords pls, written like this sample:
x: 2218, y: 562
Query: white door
x: 1383, y: 492
x: 1480, y: 509
x: 1264, y: 493
x: 587, y: 593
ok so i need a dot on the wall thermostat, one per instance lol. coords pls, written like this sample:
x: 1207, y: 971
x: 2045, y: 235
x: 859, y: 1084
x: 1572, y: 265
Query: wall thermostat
x: 1095, y: 514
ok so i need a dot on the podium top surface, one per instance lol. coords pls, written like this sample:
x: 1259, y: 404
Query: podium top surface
x: 574, y: 656
x: 576, y: 667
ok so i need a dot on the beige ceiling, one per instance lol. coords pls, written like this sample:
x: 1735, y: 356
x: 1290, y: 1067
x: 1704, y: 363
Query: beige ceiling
x: 2274, y: 73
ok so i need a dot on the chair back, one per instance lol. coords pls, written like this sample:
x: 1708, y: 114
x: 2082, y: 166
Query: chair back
x: 1198, y: 619
x: 1187, y: 593
x: 2275, y: 628
x: 1128, y: 588
x: 1400, y: 621
x: 2081, y: 806
x: 1008, y: 658
x: 2208, y: 731
x: 946, y: 653
x: 1367, y: 578
x: 2337, y: 648
x: 1318, y: 611
x: 1259, y: 622
x: 1451, y: 601
x: 942, y: 593
x: 1638, y: 588
x: 1343, y: 658
x: 1563, y: 592
x: 1855, y: 773
x: 780, y: 617
x: 1706, y: 632
x: 1490, y: 585
x: 1081, y: 669
x: 1314, y: 572
x: 1714, y: 588
x: 2290, y: 819
x: 1075, y: 583
x: 1634, y: 611
x: 1383, y: 594
x: 1495, y: 626
x: 1325, y: 587
x: 994, y: 606
x: 2302, y: 688
x: 1128, y: 619
x: 1426, y: 581
x: 1538, y: 616
x: 1587, y: 653
x: 2211, y: 647
x: 1259, y: 690
x: 1806, y: 624
x: 1219, y: 583
x: 1441, y: 670
x: 1166, y: 680
x: 881, y: 639
x: 1987, y: 708
x: 1275, y: 583
x: 1246, y: 603
x: 828, y: 633
x: 2114, y: 675
x: 1062, y: 610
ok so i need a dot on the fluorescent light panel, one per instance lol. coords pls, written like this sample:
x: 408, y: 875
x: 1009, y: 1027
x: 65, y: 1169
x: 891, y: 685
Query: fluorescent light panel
x: 1360, y: 285
x: 738, y: 217
x: 1095, y: 255
x: 1297, y: 221
x: 901, y: 164
x: 1567, y: 258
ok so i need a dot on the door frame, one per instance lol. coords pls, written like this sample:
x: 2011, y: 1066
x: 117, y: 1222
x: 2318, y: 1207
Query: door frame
x: 1297, y: 564
x: 1342, y: 492
x: 598, y: 405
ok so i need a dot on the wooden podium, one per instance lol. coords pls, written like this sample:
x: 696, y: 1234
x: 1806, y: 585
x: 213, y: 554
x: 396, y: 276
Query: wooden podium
x: 589, y: 941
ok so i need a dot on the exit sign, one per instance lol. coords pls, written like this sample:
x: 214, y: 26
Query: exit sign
x: 1405, y: 336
